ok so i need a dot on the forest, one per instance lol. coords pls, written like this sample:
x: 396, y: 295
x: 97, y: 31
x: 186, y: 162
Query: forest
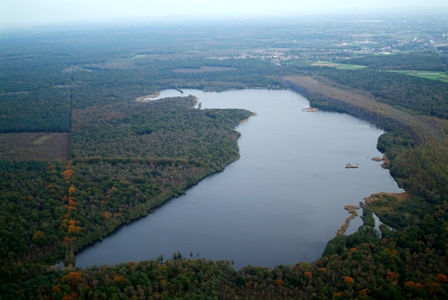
x: 79, y: 156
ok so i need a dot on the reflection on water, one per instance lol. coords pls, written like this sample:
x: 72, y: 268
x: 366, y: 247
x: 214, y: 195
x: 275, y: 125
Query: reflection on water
x: 279, y: 204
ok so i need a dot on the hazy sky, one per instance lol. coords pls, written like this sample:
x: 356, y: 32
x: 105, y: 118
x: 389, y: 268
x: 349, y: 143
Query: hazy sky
x: 38, y: 12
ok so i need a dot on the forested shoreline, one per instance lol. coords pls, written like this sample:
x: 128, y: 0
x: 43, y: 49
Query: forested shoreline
x: 92, y: 158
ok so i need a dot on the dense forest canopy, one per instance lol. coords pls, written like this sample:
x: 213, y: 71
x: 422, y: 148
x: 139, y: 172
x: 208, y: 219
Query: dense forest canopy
x: 79, y: 156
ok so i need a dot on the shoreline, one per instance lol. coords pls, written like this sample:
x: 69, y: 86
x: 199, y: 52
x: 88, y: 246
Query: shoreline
x: 254, y: 114
x: 148, y: 97
x: 377, y: 196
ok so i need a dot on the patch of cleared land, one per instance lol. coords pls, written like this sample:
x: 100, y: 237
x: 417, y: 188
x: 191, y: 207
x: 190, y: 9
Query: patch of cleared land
x: 34, y: 146
x: 328, y: 64
x: 204, y: 69
x: 441, y: 76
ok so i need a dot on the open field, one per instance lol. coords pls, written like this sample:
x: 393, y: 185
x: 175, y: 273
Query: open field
x: 34, y: 146
x: 442, y: 76
x: 328, y: 64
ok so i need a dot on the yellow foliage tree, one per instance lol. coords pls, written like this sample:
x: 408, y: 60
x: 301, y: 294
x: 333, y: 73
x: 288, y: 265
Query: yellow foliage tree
x: 71, y: 189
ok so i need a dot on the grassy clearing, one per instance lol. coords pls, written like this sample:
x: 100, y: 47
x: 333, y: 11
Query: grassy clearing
x: 41, y: 139
x: 34, y: 146
x: 442, y: 76
x: 328, y: 64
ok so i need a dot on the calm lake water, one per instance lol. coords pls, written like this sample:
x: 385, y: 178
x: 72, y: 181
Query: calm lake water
x: 279, y: 203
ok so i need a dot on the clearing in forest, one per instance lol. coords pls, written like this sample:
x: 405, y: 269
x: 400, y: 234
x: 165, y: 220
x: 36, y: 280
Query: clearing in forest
x: 329, y: 64
x: 433, y: 75
x: 34, y: 146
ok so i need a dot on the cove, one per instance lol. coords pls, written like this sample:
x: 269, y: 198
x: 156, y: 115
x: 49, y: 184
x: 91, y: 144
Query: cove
x: 280, y: 203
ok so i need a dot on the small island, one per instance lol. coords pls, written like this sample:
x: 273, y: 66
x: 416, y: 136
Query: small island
x: 310, y: 109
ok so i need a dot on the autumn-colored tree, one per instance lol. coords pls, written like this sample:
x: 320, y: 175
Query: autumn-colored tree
x: 308, y: 274
x: 442, y: 278
x: 72, y: 227
x: 71, y: 203
x: 72, y: 278
x: 40, y: 237
x: 68, y: 174
x: 338, y: 295
x: 56, y: 289
x: 349, y: 280
x: 409, y: 284
x: 70, y: 297
x: 418, y: 285
x: 363, y: 294
x: 71, y: 189
x: 433, y: 287
x: 392, y: 276
x: 68, y: 241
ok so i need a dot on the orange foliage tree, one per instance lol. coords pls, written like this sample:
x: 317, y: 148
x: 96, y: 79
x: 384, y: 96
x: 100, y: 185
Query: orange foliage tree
x: 363, y: 293
x: 442, y: 278
x: 348, y: 279
x: 308, y: 274
x: 392, y: 276
x: 338, y: 295
x: 71, y: 189
x: 72, y: 227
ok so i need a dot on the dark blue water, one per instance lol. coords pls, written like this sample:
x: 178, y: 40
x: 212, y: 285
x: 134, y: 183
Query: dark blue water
x: 279, y: 204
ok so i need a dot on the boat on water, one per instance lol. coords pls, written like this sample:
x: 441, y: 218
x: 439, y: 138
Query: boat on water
x: 350, y: 166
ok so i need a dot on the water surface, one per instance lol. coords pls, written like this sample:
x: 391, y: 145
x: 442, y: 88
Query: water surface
x: 279, y: 203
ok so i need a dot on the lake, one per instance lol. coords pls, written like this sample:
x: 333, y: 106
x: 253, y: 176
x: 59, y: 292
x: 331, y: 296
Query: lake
x: 280, y: 203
